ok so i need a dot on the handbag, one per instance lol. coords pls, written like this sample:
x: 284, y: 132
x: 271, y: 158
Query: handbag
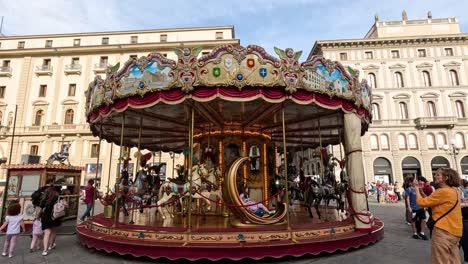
x: 431, y: 222
x: 59, y: 210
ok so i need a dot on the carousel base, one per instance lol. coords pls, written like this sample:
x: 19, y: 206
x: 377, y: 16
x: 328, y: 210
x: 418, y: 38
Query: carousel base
x: 213, y: 238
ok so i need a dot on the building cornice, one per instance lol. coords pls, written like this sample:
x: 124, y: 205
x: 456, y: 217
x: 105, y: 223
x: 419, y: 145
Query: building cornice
x: 117, y: 48
x: 384, y: 42
x: 124, y: 32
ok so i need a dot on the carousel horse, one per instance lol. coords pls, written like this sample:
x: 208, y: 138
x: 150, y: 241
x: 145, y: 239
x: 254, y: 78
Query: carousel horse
x: 210, y: 186
x: 198, y: 172
x: 61, y: 156
x: 166, y: 196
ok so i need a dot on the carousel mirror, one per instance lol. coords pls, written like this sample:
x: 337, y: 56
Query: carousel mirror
x: 254, y: 155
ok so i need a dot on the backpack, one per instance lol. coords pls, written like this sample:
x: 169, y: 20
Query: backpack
x: 36, y: 197
x: 59, y: 210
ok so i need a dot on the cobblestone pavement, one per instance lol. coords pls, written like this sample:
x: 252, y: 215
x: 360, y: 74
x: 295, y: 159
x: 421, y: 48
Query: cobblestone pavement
x: 396, y: 247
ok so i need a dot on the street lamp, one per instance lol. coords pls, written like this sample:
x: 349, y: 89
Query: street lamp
x: 172, y: 155
x: 452, y: 150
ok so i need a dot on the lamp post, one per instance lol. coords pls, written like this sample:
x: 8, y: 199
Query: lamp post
x: 453, y: 150
x: 172, y: 155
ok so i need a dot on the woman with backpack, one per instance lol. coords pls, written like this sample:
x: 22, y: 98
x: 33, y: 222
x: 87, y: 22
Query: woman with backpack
x: 49, y: 222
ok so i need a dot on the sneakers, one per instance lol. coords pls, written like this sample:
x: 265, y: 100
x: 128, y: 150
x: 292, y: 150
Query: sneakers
x: 422, y: 236
x: 52, y: 246
x: 10, y: 256
x: 4, y: 254
x: 415, y: 236
x: 44, y: 253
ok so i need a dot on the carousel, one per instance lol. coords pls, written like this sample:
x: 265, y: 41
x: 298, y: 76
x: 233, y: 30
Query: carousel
x: 241, y: 117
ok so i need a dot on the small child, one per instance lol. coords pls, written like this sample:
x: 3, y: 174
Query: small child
x: 37, y: 234
x: 15, y: 223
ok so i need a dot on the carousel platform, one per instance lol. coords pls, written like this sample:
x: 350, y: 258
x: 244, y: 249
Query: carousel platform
x: 212, y: 237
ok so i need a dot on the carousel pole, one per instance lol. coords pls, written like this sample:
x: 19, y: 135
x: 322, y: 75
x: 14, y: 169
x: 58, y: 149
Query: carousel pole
x: 117, y: 182
x: 288, y: 223
x: 189, y: 224
x: 321, y: 154
x: 109, y: 171
x: 138, y: 163
x: 97, y: 168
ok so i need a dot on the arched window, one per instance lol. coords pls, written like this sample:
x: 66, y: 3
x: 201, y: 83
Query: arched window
x: 375, y: 112
x: 374, y: 142
x: 426, y: 79
x: 399, y: 80
x: 402, y: 142
x: 460, y: 140
x: 38, y: 118
x: 431, y: 109
x: 412, y: 141
x: 384, y: 142
x: 372, y: 80
x: 69, y: 116
x: 441, y: 140
x: 454, y: 78
x: 460, y: 109
x: 403, y: 110
x: 431, y: 143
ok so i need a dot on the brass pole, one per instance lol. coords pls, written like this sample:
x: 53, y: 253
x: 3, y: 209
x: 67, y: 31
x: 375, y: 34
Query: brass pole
x: 97, y: 168
x: 189, y: 224
x: 321, y: 155
x: 138, y: 164
x: 286, y: 172
x: 117, y: 181
x: 110, y: 162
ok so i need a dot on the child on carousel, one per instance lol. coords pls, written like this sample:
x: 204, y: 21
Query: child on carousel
x: 256, y: 208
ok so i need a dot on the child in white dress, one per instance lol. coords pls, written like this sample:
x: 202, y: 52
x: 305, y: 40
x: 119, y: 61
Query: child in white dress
x: 14, y: 221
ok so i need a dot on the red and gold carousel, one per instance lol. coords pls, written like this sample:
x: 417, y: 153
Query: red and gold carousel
x: 237, y: 114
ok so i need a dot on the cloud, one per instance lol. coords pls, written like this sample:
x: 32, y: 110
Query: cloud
x: 294, y: 23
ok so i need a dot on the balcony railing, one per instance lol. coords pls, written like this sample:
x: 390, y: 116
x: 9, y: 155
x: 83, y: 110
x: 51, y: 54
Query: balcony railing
x: 436, y: 121
x: 44, y: 70
x: 100, y: 67
x: 73, y: 69
x: 5, y: 71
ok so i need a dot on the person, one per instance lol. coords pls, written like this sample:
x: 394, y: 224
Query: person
x: 14, y: 221
x: 418, y: 213
x: 464, y: 209
x: 37, y: 235
x: 36, y: 197
x: 448, y: 229
x: 49, y: 224
x: 90, y: 194
x: 257, y: 208
x: 398, y: 191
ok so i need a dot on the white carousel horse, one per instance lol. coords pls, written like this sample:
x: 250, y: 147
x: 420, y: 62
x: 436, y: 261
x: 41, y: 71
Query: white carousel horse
x: 166, y: 196
x: 211, y: 186
x: 198, y: 172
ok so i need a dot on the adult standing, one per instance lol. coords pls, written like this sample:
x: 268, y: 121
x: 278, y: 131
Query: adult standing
x: 417, y: 211
x: 49, y: 224
x: 448, y: 229
x: 398, y: 190
x: 90, y: 195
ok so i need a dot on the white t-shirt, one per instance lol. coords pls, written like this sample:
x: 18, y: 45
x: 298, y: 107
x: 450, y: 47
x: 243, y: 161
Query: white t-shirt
x: 14, y: 224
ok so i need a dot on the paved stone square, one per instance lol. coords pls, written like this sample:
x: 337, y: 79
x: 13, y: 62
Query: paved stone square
x: 396, y: 247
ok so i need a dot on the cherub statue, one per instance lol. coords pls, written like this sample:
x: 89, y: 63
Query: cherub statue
x: 187, y: 74
x: 290, y: 67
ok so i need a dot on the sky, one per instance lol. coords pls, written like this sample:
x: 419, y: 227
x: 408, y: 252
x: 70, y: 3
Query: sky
x: 289, y: 23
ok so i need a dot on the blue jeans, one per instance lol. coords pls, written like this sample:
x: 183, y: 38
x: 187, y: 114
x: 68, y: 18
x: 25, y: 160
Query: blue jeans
x: 464, y: 239
x: 87, y: 213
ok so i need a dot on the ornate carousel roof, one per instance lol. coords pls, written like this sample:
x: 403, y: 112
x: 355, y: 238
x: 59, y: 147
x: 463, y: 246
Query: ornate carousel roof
x: 233, y: 89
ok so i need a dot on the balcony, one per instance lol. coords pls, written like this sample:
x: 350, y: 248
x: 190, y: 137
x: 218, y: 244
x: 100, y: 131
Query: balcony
x: 391, y: 123
x: 44, y: 70
x: 5, y: 71
x: 436, y: 121
x: 73, y: 69
x: 100, y: 67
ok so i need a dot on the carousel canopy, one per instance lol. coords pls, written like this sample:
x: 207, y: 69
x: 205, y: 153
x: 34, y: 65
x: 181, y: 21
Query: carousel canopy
x: 233, y: 90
